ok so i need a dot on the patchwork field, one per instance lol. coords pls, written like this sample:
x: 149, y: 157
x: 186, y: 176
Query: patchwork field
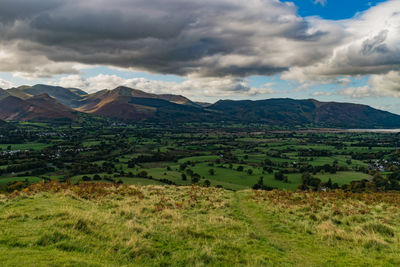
x: 233, y: 157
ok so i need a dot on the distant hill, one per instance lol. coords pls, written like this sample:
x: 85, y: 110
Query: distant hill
x: 93, y: 102
x: 171, y: 112
x: 292, y: 112
x: 67, y: 96
x: 130, y: 104
x: 124, y: 103
x: 354, y: 116
x: 272, y: 111
x: 36, y: 108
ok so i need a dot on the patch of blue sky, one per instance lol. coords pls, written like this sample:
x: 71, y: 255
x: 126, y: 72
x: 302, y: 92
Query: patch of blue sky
x: 333, y: 9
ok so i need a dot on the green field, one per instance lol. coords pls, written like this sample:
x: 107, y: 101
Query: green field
x: 30, y: 179
x: 25, y: 146
x: 230, y: 156
x: 100, y: 225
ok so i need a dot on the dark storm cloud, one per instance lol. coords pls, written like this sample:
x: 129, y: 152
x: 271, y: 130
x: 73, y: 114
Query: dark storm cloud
x: 22, y: 9
x: 212, y: 38
x: 192, y: 38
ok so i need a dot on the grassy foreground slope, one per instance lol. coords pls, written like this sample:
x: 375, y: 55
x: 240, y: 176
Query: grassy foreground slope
x: 106, y: 225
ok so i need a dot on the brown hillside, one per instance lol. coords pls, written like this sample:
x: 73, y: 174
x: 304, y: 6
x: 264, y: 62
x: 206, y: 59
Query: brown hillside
x: 95, y: 102
x: 40, y: 107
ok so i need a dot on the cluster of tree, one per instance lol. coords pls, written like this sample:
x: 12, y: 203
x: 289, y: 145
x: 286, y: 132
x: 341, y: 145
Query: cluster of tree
x: 16, y: 136
x: 314, y: 153
x: 279, y: 176
x: 367, y: 156
x: 260, y: 185
x: 326, y: 168
x: 311, y: 182
x: 25, y: 166
x: 186, y: 164
x: 156, y: 157
x: 84, y: 168
x: 391, y: 182
x: 195, y: 177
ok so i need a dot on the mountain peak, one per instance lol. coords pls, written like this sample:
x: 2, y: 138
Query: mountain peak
x: 127, y: 91
x: 123, y: 91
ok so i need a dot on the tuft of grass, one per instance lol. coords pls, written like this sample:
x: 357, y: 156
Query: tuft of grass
x: 380, y: 229
x: 51, y: 238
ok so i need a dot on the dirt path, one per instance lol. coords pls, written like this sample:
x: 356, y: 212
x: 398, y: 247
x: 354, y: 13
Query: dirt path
x: 292, y: 252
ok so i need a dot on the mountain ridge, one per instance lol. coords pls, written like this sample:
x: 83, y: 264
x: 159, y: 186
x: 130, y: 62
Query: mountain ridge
x: 66, y: 96
x: 308, y: 111
x: 128, y: 104
x: 40, y: 107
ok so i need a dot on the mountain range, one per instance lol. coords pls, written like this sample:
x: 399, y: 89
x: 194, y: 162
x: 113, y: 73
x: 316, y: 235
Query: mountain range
x: 44, y: 102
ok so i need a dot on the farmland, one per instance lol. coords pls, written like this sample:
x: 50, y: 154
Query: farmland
x: 233, y: 157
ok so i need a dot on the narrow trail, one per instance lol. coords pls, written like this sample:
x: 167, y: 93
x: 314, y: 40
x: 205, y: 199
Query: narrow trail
x: 285, y: 247
x: 245, y: 212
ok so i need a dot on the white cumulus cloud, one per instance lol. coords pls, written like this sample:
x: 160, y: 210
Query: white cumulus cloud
x: 5, y: 84
x: 194, y: 87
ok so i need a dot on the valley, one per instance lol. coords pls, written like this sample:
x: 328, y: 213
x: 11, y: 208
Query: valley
x: 234, y: 157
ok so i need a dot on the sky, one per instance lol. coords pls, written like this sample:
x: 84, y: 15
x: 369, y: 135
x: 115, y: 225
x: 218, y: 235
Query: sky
x: 329, y: 50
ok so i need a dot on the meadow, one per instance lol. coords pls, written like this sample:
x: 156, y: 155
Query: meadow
x: 53, y: 224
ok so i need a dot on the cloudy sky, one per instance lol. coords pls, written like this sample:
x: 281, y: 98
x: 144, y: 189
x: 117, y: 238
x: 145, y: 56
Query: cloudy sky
x: 336, y: 50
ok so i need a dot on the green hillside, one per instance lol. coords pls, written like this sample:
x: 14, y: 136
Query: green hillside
x: 106, y: 225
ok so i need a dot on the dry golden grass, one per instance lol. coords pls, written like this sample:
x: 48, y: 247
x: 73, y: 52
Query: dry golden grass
x: 365, y: 219
x: 118, y: 225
